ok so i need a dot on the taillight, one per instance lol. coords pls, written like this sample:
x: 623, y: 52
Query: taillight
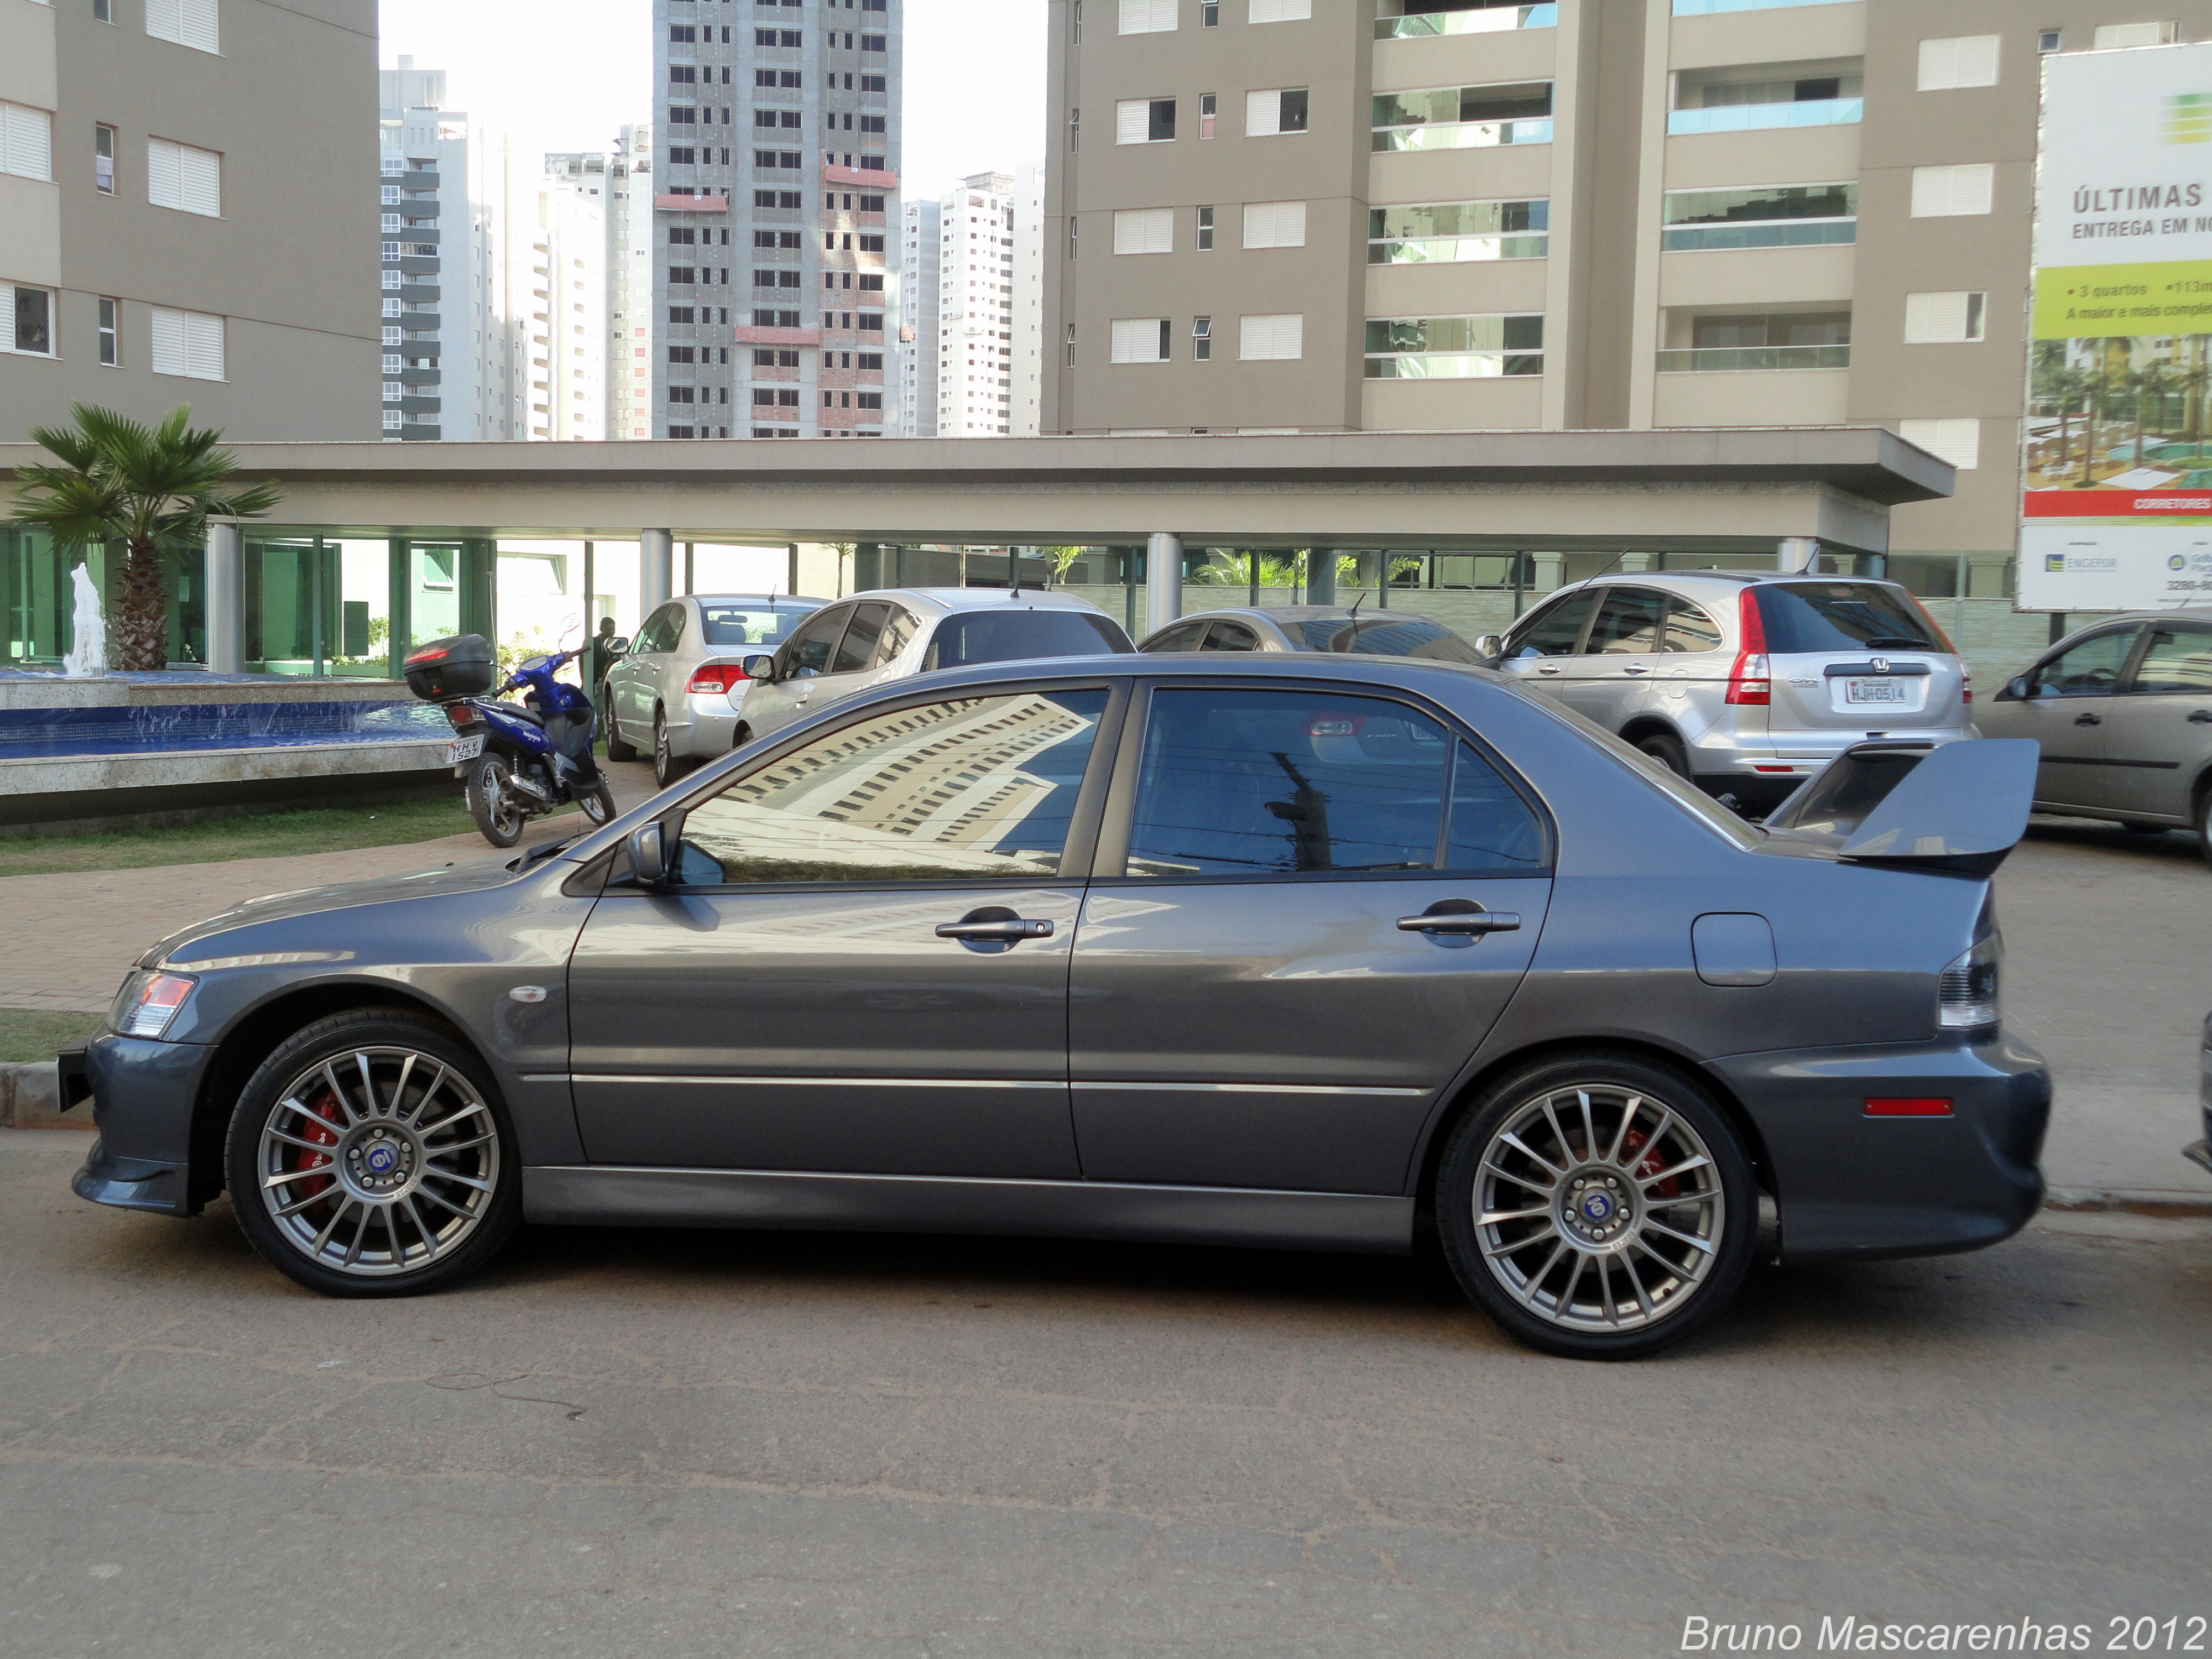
x: 1748, y: 680
x: 1966, y: 991
x: 460, y: 715
x: 716, y: 677
x: 1966, y: 688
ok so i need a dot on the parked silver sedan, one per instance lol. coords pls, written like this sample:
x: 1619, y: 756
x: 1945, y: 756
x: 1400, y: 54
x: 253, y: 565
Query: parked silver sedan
x: 1314, y: 628
x: 887, y: 634
x: 2122, y: 709
x: 676, y: 691
x: 1748, y: 684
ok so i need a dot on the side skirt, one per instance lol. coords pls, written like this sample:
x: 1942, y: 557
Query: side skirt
x: 622, y: 1195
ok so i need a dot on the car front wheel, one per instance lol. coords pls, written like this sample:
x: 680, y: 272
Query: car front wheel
x: 371, y: 1156
x: 1598, y: 1208
x: 617, y: 750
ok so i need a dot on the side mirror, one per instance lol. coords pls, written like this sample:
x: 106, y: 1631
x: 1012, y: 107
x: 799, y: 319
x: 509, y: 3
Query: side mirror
x: 649, y: 853
x: 615, y: 645
x: 1489, y: 645
x: 758, y: 668
x: 2016, y: 688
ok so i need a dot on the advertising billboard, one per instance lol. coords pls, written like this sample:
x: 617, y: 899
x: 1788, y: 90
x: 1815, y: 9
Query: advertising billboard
x: 2117, y: 502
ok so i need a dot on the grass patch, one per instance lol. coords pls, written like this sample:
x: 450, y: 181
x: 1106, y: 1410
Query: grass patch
x: 259, y: 835
x: 35, y: 1033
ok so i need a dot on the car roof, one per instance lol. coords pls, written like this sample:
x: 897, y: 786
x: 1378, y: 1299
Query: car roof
x: 765, y: 601
x: 946, y: 601
x: 1302, y: 613
x: 2188, y: 612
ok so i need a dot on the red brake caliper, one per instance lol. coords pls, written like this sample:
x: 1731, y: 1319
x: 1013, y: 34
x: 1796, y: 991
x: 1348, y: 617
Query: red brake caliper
x: 1672, y: 1186
x: 327, y: 1111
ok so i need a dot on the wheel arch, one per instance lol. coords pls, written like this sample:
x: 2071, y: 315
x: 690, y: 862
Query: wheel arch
x: 1430, y: 1155
x: 1652, y: 726
x: 255, y: 1035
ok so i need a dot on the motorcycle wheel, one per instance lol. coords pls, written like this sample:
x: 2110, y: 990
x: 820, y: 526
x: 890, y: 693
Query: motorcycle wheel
x: 499, y: 816
x: 599, y: 805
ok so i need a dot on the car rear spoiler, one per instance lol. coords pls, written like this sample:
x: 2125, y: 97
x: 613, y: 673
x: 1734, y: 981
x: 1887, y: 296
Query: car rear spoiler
x: 1960, y: 807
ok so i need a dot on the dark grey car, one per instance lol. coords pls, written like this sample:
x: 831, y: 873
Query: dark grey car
x: 1278, y: 950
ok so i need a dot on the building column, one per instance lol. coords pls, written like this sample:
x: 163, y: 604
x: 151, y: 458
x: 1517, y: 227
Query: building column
x: 1162, y: 579
x: 1546, y: 571
x: 226, y: 601
x: 1320, y: 575
x: 1798, y: 555
x: 399, y: 595
x: 656, y: 573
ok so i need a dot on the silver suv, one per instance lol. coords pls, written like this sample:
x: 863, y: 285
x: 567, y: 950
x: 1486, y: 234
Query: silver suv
x: 1746, y: 683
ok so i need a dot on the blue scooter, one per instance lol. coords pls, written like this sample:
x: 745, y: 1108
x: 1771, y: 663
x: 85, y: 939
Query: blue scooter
x: 518, y: 759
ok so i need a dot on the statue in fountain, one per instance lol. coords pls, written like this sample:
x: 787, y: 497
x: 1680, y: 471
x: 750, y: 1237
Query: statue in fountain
x: 87, y: 652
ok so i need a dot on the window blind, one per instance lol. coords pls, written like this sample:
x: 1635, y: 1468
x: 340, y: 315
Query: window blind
x: 27, y: 142
x: 1947, y: 191
x: 2109, y: 35
x: 1271, y: 338
x: 1943, y: 317
x: 195, y: 23
x: 1956, y: 441
x: 1275, y: 224
x: 1144, y: 230
x: 1148, y: 16
x: 1965, y: 60
x: 1133, y: 121
x: 1139, y: 339
x: 1263, y: 113
x: 183, y: 177
x: 1281, y: 11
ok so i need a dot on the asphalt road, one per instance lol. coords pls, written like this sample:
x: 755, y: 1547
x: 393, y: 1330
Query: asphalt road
x: 677, y: 1444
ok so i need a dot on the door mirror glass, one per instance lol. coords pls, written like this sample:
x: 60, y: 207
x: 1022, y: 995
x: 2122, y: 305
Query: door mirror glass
x: 616, y: 644
x: 969, y: 789
x: 761, y: 667
x: 1487, y: 645
x: 649, y: 859
x: 2016, y: 688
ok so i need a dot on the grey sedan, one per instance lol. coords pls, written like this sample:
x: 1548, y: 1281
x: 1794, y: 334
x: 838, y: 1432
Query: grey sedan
x: 2122, y: 710
x: 1251, y: 952
x: 677, y: 691
x: 1314, y: 628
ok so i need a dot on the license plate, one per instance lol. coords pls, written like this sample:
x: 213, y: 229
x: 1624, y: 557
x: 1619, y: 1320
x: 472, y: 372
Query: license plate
x: 464, y: 749
x: 1874, y: 691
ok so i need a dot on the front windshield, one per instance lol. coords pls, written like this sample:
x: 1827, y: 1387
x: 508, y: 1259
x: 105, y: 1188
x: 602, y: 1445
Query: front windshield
x: 766, y: 626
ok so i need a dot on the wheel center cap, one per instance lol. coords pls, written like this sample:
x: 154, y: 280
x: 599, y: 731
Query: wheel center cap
x: 381, y: 1163
x: 381, y: 1158
x: 1597, y: 1206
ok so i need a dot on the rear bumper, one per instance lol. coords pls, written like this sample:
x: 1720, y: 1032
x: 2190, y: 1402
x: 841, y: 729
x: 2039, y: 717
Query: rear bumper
x: 142, y: 1095
x: 1853, y: 1188
x: 707, y: 727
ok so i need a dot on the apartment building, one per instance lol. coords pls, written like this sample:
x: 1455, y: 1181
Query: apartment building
x: 630, y: 284
x: 774, y: 289
x: 974, y: 307
x: 563, y: 309
x: 918, y: 325
x: 1415, y: 215
x: 175, y: 226
x: 1028, y: 406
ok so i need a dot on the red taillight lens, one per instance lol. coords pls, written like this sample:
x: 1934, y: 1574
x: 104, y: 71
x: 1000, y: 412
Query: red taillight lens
x: 1751, y: 627
x: 716, y: 677
x: 1909, y: 1106
x: 1966, y: 688
x: 1748, y: 682
x: 460, y: 714
x: 422, y: 657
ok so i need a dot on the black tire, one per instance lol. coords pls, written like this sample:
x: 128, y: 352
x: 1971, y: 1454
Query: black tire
x: 2204, y: 824
x: 1542, y: 1247
x: 617, y: 749
x: 2145, y: 828
x: 1668, y: 751
x: 429, y: 1202
x: 599, y: 805
x: 492, y: 805
x: 667, y: 766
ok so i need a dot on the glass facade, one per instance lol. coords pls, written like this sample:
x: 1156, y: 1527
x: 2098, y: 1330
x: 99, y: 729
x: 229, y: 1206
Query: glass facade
x: 1777, y: 216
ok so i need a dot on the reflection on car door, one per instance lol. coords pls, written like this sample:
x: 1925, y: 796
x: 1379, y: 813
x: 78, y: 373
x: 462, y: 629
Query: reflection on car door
x: 2158, y: 731
x: 641, y: 671
x: 1247, y: 1007
x: 1610, y: 678
x: 2064, y: 711
x: 1227, y: 635
x: 1538, y: 649
x: 791, y: 1003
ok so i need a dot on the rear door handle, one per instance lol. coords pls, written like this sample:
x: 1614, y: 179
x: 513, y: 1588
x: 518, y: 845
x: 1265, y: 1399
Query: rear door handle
x: 1636, y: 668
x: 2088, y: 719
x: 1008, y: 930
x: 1464, y: 921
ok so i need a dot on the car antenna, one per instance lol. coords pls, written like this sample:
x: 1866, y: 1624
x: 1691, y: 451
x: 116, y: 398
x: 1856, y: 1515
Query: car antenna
x: 1352, y: 615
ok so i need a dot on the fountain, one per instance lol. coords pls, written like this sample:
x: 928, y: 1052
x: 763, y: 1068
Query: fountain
x: 87, y: 652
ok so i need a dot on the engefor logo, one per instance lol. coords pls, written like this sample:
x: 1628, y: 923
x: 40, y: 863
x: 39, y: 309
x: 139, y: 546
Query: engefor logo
x: 2054, y: 561
x: 2187, y: 119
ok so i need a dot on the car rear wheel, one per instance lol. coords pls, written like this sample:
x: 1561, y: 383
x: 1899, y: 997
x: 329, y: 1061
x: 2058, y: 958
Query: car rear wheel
x: 1597, y: 1206
x: 1667, y: 751
x: 666, y: 767
x: 371, y: 1156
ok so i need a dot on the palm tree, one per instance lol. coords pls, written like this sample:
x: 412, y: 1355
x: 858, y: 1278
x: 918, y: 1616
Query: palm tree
x: 121, y: 481
x: 2153, y: 384
x: 2068, y: 389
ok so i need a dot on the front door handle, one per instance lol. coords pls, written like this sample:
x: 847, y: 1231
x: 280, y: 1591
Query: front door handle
x: 1546, y: 668
x: 1636, y: 668
x: 998, y: 930
x: 1461, y: 922
x: 2200, y: 717
x: 2088, y: 719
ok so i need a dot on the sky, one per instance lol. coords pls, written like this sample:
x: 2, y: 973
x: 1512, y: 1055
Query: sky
x: 563, y: 74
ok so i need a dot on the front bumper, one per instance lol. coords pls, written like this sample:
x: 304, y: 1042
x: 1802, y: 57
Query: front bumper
x: 1853, y: 1188
x: 142, y: 1097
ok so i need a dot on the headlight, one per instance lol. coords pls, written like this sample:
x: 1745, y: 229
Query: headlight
x: 149, y: 1002
x: 1968, y: 996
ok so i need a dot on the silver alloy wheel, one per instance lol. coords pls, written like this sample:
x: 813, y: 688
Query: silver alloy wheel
x: 1598, y: 1209
x: 387, y: 1141
x: 500, y: 806
x: 664, y: 758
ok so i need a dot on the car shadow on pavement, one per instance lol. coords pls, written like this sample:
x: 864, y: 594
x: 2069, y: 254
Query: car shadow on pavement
x: 2093, y: 836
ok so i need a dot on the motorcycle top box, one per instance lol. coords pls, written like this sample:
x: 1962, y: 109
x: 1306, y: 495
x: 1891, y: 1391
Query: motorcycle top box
x: 461, y: 666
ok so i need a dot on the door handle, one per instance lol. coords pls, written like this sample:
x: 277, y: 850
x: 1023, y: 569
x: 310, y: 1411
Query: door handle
x: 1545, y: 668
x: 2200, y: 717
x: 1636, y: 668
x: 1005, y: 930
x: 1461, y: 922
x: 2088, y: 719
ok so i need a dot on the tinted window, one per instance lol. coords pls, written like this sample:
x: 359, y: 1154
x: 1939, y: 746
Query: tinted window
x: 1689, y: 629
x: 898, y: 633
x: 1554, y: 631
x: 1492, y: 826
x: 858, y: 649
x: 810, y: 647
x: 1241, y: 783
x: 1183, y: 638
x: 661, y: 628
x: 977, y: 788
x: 2178, y: 659
x: 1386, y: 636
x: 1842, y: 616
x: 1231, y: 636
x: 979, y: 636
x: 739, y: 624
x: 1628, y: 622
x: 2091, y: 669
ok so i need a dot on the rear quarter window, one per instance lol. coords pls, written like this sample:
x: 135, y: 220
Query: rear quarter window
x: 1831, y: 615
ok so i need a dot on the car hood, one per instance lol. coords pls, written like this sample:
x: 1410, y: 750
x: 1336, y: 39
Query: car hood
x: 188, y: 944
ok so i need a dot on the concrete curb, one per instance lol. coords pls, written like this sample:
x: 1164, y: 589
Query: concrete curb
x: 2175, y: 1205
x: 30, y: 1098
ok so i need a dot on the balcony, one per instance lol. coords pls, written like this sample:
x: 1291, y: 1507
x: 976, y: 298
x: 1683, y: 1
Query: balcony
x: 1427, y: 25
x: 868, y: 178
x: 1755, y: 118
x: 1707, y: 8
x: 1463, y: 118
x: 677, y: 204
x: 1740, y: 360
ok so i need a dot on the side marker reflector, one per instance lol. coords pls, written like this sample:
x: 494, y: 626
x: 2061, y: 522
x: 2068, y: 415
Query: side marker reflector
x: 1908, y: 1106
